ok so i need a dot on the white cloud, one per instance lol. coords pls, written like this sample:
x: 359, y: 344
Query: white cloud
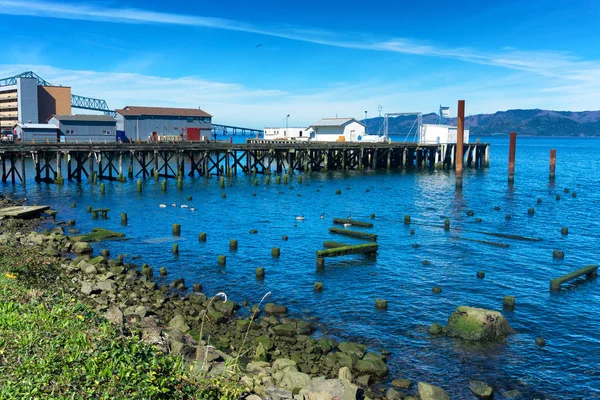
x: 236, y: 104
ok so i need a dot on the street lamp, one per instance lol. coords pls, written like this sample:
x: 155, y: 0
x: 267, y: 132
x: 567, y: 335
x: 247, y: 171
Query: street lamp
x: 286, y: 121
x: 366, y: 130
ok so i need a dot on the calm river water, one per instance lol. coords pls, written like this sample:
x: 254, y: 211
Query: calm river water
x: 568, y: 367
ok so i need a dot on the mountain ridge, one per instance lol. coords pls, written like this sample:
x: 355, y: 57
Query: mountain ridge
x: 526, y: 122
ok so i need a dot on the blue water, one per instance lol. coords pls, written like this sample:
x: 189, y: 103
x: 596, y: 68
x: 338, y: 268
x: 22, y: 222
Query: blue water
x: 566, y: 368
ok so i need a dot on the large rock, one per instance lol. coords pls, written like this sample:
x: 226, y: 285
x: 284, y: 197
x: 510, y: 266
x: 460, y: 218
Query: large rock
x: 323, y: 389
x: 82, y: 248
x: 274, y: 309
x: 373, y: 367
x: 284, y: 364
x: 178, y: 323
x: 353, y: 348
x: 432, y: 392
x: 86, y: 288
x: 114, y: 315
x: 477, y: 324
x: 294, y: 381
x: 481, y: 390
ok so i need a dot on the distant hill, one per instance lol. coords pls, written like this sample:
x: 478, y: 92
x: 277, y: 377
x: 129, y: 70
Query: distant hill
x: 524, y: 122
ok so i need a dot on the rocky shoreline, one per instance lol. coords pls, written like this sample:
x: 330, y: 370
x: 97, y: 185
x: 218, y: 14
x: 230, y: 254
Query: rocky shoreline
x: 271, y: 355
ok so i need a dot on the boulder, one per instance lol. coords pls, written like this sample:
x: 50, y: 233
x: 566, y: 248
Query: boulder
x: 285, y: 330
x: 294, y: 381
x: 284, y: 364
x: 392, y: 394
x: 323, y: 389
x: 90, y: 270
x: 402, y: 383
x: 477, y: 324
x: 345, y: 374
x: 353, y: 348
x: 178, y: 323
x: 276, y: 393
x: 114, y: 315
x: 208, y: 354
x: 436, y: 329
x: 274, y: 309
x: 481, y: 390
x: 82, y: 248
x: 432, y: 392
x: 373, y: 367
x: 86, y: 288
x: 106, y: 286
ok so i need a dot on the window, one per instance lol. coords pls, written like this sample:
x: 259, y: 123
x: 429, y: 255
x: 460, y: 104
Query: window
x: 69, y: 132
x: 300, y: 133
x: 106, y: 133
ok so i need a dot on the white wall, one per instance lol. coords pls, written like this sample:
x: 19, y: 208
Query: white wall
x: 353, y: 130
x: 286, y: 133
x: 431, y: 133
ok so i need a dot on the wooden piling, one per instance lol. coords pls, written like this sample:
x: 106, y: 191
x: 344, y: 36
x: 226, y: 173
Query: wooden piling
x: 342, y: 251
x: 233, y: 244
x: 102, y: 188
x: 512, y: 147
x: 260, y: 273
x: 162, y: 271
x: 176, y: 249
x: 139, y: 186
x: 447, y: 224
x: 509, y: 302
x: 176, y: 229
x: 460, y: 138
x: 275, y: 252
x: 407, y: 219
x: 202, y: 237
x: 222, y: 260
x: 589, y: 271
x: 552, y: 165
x: 358, y: 234
x: 163, y: 185
x: 123, y: 218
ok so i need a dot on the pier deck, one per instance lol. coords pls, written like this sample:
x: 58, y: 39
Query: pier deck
x: 169, y: 160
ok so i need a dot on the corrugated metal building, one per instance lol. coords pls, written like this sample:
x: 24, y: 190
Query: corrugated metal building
x: 338, y: 129
x: 85, y: 128
x: 38, y: 133
x: 147, y: 123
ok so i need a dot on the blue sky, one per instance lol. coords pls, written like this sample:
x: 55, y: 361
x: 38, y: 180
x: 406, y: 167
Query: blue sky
x: 316, y: 59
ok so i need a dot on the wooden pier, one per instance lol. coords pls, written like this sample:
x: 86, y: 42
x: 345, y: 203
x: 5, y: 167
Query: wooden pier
x: 122, y: 161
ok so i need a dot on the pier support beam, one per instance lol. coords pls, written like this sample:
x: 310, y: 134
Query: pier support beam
x: 460, y: 135
x: 552, y: 164
x: 512, y: 147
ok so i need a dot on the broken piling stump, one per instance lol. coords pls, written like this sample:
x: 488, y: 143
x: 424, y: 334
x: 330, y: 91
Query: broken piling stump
x: 369, y: 248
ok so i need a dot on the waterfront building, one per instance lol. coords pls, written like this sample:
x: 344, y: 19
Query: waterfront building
x: 85, y: 128
x: 291, y: 133
x: 38, y: 133
x: 153, y: 123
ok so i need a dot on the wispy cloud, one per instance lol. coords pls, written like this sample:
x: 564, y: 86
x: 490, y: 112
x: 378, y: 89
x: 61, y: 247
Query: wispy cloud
x: 544, y: 63
x: 236, y: 104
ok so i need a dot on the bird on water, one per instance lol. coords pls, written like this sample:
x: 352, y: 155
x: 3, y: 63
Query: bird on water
x: 322, y: 215
x: 300, y: 217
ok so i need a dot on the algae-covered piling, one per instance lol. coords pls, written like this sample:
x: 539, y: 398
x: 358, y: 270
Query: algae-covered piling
x: 357, y: 234
x: 342, y: 221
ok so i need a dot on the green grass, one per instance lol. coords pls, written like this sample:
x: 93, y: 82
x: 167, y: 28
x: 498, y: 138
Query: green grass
x: 52, y: 346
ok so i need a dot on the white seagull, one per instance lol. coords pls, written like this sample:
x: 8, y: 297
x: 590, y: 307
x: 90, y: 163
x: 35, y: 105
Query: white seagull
x: 162, y: 205
x: 300, y: 217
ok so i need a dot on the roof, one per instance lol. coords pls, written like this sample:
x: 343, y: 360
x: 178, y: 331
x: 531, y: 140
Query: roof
x: 163, y: 111
x: 335, y: 122
x: 36, y: 126
x: 85, y: 118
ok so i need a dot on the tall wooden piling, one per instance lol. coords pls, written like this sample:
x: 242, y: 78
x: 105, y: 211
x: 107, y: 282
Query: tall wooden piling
x: 552, y: 164
x: 460, y: 138
x: 512, y: 147
x: 123, y: 218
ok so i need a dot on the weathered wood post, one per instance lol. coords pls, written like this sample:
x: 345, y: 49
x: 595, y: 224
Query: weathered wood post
x: 512, y: 147
x: 123, y: 218
x: 202, y: 237
x: 552, y: 164
x: 460, y: 135
x: 139, y: 186
x: 233, y: 244
x: 176, y: 228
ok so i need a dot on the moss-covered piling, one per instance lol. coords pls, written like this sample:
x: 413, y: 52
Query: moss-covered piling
x: 358, y: 234
x: 176, y: 229
x: 233, y: 244
x: 275, y: 252
x: 162, y: 271
x: 176, y: 249
x: 202, y: 237
x: 222, y: 260
x: 447, y: 224
x: 407, y: 219
x: 123, y: 218
x: 509, y: 302
x: 260, y: 273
